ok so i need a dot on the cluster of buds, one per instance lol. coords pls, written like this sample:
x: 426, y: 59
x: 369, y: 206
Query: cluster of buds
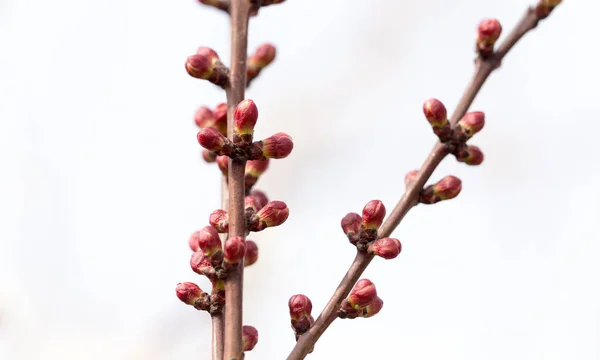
x: 361, y: 302
x: 262, y: 57
x: 545, y: 7
x: 362, y: 231
x: 205, y: 64
x: 300, y: 309
x: 277, y: 146
x: 488, y: 32
x: 217, y: 119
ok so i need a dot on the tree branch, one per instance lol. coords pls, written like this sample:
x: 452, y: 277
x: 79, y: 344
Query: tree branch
x: 239, y: 11
x: 483, y: 68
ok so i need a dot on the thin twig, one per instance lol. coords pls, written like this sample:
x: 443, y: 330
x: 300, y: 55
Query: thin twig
x: 410, y: 198
x: 239, y: 11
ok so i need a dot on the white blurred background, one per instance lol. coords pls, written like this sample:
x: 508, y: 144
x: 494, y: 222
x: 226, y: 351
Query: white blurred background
x: 101, y: 180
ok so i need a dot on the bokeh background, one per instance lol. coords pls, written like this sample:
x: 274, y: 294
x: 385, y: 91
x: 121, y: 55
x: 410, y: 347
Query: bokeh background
x: 101, y: 180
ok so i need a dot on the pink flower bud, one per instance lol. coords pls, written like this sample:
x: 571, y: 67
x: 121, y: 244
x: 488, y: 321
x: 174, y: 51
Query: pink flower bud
x: 208, y: 240
x: 373, y: 308
x: 488, y: 32
x: 264, y: 55
x: 470, y: 125
x: 188, y: 292
x: 245, y: 116
x: 362, y: 294
x: 373, y: 214
x: 205, y: 64
x: 351, y: 226
x: 252, y: 204
x: 256, y: 167
x: 436, y: 113
x: 386, y: 248
x: 209, y: 156
x: 274, y: 213
x: 470, y: 155
x: 261, y: 197
x: 251, y: 253
x: 445, y: 189
x: 223, y: 164
x: 220, y: 114
x: 300, y: 309
x: 219, y: 221
x: 408, y: 179
x: 211, y: 139
x: 235, y: 250
x: 204, y: 117
x: 277, y: 146
x: 202, y: 264
x: 250, y: 337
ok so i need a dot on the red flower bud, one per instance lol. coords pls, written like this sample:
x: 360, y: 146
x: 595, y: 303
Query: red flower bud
x: 205, y: 64
x: 408, y: 179
x: 373, y: 214
x: 470, y: 125
x: 220, y: 114
x: 188, y: 292
x: 219, y: 220
x: 252, y: 203
x: 264, y: 55
x: 261, y: 197
x: 235, y: 250
x: 351, y: 226
x: 436, y: 113
x: 208, y: 240
x: 251, y: 253
x: 223, y: 163
x: 277, y: 146
x: 209, y: 156
x: 202, y: 264
x: 362, y: 294
x: 373, y: 308
x: 274, y: 213
x: 488, y: 32
x: 254, y: 169
x: 386, y: 248
x: 470, y: 155
x: 445, y: 189
x: 204, y: 117
x: 245, y: 116
x: 250, y: 336
x: 211, y: 139
x: 300, y: 306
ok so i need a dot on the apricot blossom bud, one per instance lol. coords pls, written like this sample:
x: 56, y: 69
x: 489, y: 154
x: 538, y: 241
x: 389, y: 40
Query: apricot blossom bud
x: 470, y: 155
x: 190, y: 293
x: 209, y: 156
x: 208, y: 240
x: 263, y: 56
x: 211, y: 139
x: 488, y: 32
x: 206, y: 65
x: 250, y: 337
x: 300, y: 305
x: 202, y: 264
x: 373, y: 308
x: 373, y: 214
x: 235, y: 250
x: 254, y: 169
x: 223, y: 164
x: 436, y: 113
x: 245, y: 117
x: 219, y: 221
x: 362, y: 294
x: 204, y: 117
x: 274, y: 213
x: 260, y: 196
x: 220, y: 114
x: 277, y: 146
x: 447, y: 188
x: 252, y: 204
x: 387, y: 248
x: 351, y: 226
x: 251, y: 253
x: 470, y: 125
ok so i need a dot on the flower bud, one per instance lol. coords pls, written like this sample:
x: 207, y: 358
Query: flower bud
x: 373, y: 308
x: 351, y: 226
x: 260, y: 196
x: 245, y: 117
x: 208, y: 240
x: 220, y: 114
x: 205, y: 64
x: 189, y: 292
x: 470, y: 155
x: 470, y: 125
x: 204, y: 117
x: 250, y: 337
x: 445, y: 189
x: 264, y: 55
x: 373, y: 214
x: 251, y: 253
x: 386, y: 248
x: 223, y: 164
x: 211, y: 139
x: 300, y: 306
x: 209, y: 156
x: 488, y: 32
x: 235, y: 250
x: 277, y: 146
x: 254, y: 169
x: 252, y: 204
x: 436, y: 113
x: 219, y: 220
x: 274, y: 213
x: 202, y: 264
x: 408, y: 179
x: 362, y: 294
